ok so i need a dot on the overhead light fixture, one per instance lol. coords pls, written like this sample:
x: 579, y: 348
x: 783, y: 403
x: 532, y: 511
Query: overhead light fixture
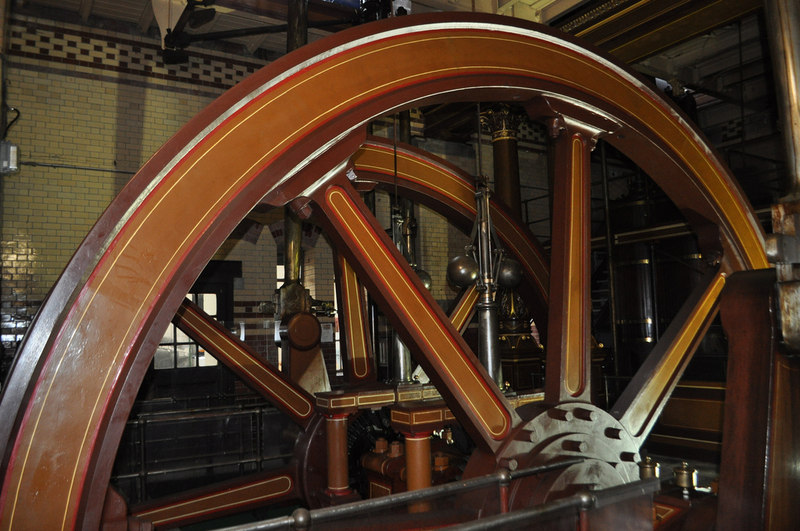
x: 167, y: 13
x: 172, y: 17
x: 174, y: 56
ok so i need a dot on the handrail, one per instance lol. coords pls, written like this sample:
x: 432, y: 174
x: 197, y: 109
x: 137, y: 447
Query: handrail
x: 580, y: 502
x: 304, y: 519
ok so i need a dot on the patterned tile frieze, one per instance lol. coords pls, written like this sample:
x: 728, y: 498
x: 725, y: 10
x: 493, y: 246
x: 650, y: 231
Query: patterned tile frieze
x: 70, y: 45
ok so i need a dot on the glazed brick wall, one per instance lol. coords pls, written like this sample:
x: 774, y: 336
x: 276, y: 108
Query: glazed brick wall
x: 94, y: 107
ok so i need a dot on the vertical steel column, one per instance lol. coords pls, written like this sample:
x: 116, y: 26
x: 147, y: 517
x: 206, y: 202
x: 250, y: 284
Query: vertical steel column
x: 296, y: 24
x: 296, y: 36
x: 783, y: 246
x: 612, y: 289
x: 401, y: 217
x: 783, y: 19
x: 488, y: 343
x: 402, y: 355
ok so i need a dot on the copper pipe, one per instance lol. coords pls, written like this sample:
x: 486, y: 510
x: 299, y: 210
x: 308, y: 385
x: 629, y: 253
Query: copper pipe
x: 418, y: 466
x: 336, y: 432
x: 506, y: 173
x: 503, y: 121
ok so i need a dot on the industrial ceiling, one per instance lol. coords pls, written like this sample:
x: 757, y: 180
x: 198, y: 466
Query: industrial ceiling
x: 630, y: 29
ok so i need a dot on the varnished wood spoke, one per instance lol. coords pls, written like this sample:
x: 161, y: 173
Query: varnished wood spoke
x: 253, y: 491
x: 423, y: 326
x: 353, y: 308
x: 465, y: 309
x: 238, y: 357
x: 568, y: 349
x: 645, y: 396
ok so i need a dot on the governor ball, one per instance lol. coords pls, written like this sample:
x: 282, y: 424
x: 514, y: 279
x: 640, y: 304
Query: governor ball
x: 462, y: 271
x: 510, y: 274
x: 426, y: 279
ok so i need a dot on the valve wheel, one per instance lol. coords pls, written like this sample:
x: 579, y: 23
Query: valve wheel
x: 86, y: 354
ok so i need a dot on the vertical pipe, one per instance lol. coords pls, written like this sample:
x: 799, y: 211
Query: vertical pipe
x: 488, y: 345
x: 336, y: 436
x: 296, y: 36
x: 402, y: 361
x: 296, y: 24
x: 506, y: 172
x: 612, y: 289
x: 5, y: 18
x: 783, y: 19
x: 653, y: 288
x: 142, y: 483
x: 418, y: 466
x: 293, y: 235
x: 405, y: 241
x: 504, y: 486
x: 259, y: 437
x: 503, y: 122
x: 379, y: 344
x: 404, y: 126
x: 292, y: 296
x: 486, y: 308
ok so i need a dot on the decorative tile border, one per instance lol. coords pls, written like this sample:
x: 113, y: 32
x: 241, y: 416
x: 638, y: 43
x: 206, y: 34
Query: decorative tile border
x: 75, y: 46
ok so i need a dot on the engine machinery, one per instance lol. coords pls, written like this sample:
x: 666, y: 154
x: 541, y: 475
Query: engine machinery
x: 461, y: 449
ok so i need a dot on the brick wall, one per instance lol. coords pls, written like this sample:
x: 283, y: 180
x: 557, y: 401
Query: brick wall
x: 94, y: 106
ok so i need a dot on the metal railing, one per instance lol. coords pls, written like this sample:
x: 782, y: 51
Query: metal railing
x: 304, y: 519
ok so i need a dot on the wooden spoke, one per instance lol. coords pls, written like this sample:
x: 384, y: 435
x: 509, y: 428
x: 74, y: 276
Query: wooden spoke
x: 437, y: 346
x: 220, y: 499
x: 353, y: 312
x: 237, y: 356
x: 645, y: 396
x: 568, y: 338
x: 464, y: 309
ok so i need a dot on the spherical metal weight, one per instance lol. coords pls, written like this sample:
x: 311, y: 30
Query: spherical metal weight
x: 510, y: 274
x: 425, y: 277
x: 462, y: 271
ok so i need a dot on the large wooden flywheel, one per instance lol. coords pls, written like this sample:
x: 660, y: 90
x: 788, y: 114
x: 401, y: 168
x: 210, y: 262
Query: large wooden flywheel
x: 285, y: 135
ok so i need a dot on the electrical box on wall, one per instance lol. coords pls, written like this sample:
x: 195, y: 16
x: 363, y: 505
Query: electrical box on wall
x: 9, y: 158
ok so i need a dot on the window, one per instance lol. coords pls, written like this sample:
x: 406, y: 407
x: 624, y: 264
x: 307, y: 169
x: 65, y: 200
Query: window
x: 177, y: 350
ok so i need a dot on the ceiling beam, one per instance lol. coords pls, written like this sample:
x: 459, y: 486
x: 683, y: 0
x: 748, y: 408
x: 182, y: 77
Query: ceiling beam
x: 635, y: 29
x: 85, y: 9
x: 146, y: 17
